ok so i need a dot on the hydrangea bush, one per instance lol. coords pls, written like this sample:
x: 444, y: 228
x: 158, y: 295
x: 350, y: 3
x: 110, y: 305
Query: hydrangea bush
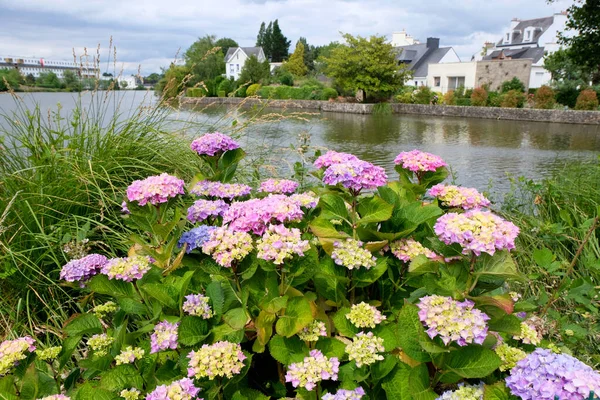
x: 358, y: 286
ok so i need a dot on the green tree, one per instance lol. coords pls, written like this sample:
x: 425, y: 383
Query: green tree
x: 30, y: 80
x: 268, y: 42
x: 71, y: 80
x: 563, y: 68
x: 225, y: 44
x: 10, y: 79
x: 260, y: 38
x: 280, y: 45
x: 204, y: 59
x: 514, y: 84
x: 321, y: 53
x: 153, y: 78
x: 309, y: 54
x: 48, y: 80
x: 174, y: 81
x: 254, y: 71
x: 367, y: 64
x: 295, y: 64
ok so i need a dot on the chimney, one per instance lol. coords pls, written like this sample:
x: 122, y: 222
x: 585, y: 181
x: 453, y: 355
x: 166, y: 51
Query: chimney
x: 433, y: 43
x: 514, y: 22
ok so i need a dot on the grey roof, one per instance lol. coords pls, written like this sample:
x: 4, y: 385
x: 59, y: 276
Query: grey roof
x: 517, y: 38
x: 250, y: 51
x: 535, y: 53
x: 418, y: 58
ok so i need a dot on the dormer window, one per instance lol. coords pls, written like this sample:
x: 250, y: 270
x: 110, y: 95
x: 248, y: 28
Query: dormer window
x: 528, y: 35
x: 507, y: 40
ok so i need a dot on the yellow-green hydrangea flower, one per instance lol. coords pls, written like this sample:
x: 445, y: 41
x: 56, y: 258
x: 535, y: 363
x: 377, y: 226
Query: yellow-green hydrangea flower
x: 509, y: 356
x: 49, y: 353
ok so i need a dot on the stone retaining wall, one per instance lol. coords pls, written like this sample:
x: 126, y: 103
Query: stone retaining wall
x: 519, y: 114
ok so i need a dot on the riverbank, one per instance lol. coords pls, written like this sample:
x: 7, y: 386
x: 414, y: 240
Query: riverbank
x: 514, y: 114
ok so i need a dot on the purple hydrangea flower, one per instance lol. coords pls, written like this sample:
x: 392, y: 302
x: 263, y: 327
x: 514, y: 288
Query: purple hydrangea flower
x: 212, y: 144
x: 220, y: 190
x: 196, y: 237
x: 202, y: 209
x: 419, y: 161
x: 155, y: 189
x: 457, y: 196
x: 312, y: 370
x: 196, y: 304
x: 333, y: 157
x: 344, y: 394
x: 182, y: 389
x: 544, y: 375
x: 255, y: 215
x: 356, y: 175
x: 278, y: 186
x: 453, y: 321
x: 164, y: 337
x: 308, y: 199
x: 127, y: 268
x: 83, y: 269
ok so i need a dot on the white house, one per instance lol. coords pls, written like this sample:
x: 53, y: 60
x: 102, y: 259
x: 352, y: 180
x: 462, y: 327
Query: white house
x: 403, y: 39
x: 420, y: 56
x: 531, y: 38
x: 450, y: 76
x: 236, y: 58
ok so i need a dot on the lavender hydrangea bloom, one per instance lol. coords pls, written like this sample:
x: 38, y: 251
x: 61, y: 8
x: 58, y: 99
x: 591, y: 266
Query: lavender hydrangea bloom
x: 164, y: 337
x: 453, y: 320
x: 355, y: 175
x: 196, y: 237
x: 278, y: 186
x: 126, y: 269
x: 477, y: 231
x: 196, y: 304
x: 212, y: 144
x: 544, y: 375
x: 457, y: 196
x: 13, y: 351
x: 308, y: 199
x: 255, y: 215
x: 344, y: 394
x: 155, y: 189
x: 312, y: 370
x: 419, y: 161
x: 220, y: 190
x: 202, y: 209
x: 182, y: 389
x: 333, y: 157
x: 83, y: 269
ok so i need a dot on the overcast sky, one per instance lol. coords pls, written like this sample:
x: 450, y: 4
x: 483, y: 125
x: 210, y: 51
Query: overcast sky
x: 149, y: 33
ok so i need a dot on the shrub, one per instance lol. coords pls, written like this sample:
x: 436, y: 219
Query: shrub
x: 241, y: 91
x: 460, y: 93
x: 449, y: 98
x: 587, y: 100
x: 12, y: 77
x: 221, y: 93
x: 423, y: 95
x: 463, y: 102
x: 479, y: 97
x: 514, y: 84
x: 494, y: 99
x: 405, y: 98
x: 329, y: 93
x: 195, y: 92
x: 266, y: 92
x: 544, y: 98
x: 253, y: 89
x: 286, y: 79
x: 225, y: 86
x: 567, y: 93
x: 512, y: 99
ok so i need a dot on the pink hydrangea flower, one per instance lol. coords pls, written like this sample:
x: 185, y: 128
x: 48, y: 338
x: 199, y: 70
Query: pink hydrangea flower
x: 407, y: 249
x: 278, y: 186
x: 226, y: 246
x: 356, y: 175
x: 202, y: 209
x: 220, y: 190
x: 155, y: 189
x: 13, y: 351
x: 182, y: 389
x: 457, y: 196
x: 279, y: 243
x: 333, y: 157
x: 419, y: 161
x: 307, y: 200
x: 312, y: 370
x: 212, y: 144
x: 164, y: 337
x: 256, y: 214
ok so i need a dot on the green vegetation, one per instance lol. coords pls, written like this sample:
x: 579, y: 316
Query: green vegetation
x: 254, y: 71
x: 544, y: 98
x: 587, y: 100
x: 275, y: 45
x: 10, y: 79
x: 479, y: 97
x: 295, y: 65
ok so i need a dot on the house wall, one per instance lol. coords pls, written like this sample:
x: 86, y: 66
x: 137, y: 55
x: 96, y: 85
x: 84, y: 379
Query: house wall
x: 450, y: 57
x: 495, y: 72
x: 233, y: 66
x: 539, y: 77
x: 447, y: 71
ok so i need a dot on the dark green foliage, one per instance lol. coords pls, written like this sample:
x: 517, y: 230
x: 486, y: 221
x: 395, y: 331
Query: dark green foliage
x: 204, y: 60
x: 305, y: 92
x: 286, y: 79
x: 309, y: 54
x: 174, y: 82
x: 329, y: 93
x: 225, y: 44
x: 254, y: 71
x: 280, y: 45
x: 424, y: 95
x: 71, y: 81
x: 494, y: 99
x: 566, y: 93
x: 48, y: 80
x: 463, y: 102
x: 512, y: 99
x: 514, y: 84
x: 10, y: 79
x: 225, y: 86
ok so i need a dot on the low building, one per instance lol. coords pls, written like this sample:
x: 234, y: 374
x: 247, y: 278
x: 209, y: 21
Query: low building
x: 403, y: 39
x: 450, y: 76
x: 35, y: 66
x: 236, y: 58
x: 420, y: 56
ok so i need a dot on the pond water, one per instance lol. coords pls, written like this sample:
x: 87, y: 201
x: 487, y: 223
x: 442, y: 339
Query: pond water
x: 479, y: 151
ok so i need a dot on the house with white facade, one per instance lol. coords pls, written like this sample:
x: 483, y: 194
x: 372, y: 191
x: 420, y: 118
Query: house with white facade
x: 36, y: 66
x: 236, y: 58
x: 530, y: 39
x: 420, y: 56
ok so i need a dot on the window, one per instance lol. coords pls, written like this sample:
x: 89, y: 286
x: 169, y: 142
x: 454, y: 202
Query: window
x: 231, y: 70
x: 455, y: 82
x: 416, y: 83
x: 436, y: 81
x: 507, y: 38
x: 528, y: 35
x: 238, y: 67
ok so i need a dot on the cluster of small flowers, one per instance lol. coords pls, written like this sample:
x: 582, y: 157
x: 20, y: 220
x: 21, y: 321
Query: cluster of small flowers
x: 182, y: 389
x: 363, y: 315
x: 307, y: 200
x: 56, y: 397
x: 49, y: 353
x: 419, y: 161
x: 212, y: 144
x: 227, y: 246
x: 464, y: 392
x: 197, y: 305
x: 280, y: 243
x: 333, y: 157
x: 344, y: 394
x: 356, y: 175
x: 313, y: 331
x: 351, y: 255
x: 220, y: 190
x: 130, y: 394
x: 509, y: 356
x: 364, y: 349
x: 195, y: 238
x: 164, y: 337
x: 83, y: 269
x: 528, y: 335
x: 544, y: 375
x: 127, y: 268
x: 155, y: 189
x: 278, y: 186
x: 312, y: 370
x: 457, y: 196
x: 100, y: 344
x: 216, y: 360
x: 477, y: 231
x: 202, y: 209
x: 102, y: 310
x: 407, y: 249
x: 453, y: 320
x: 129, y: 355
x: 13, y: 351
x: 256, y: 214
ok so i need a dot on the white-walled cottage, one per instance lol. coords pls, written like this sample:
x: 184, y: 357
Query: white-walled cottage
x: 236, y: 58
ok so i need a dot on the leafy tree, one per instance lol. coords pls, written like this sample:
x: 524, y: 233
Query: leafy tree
x: 10, y: 79
x: 280, y: 45
x: 260, y: 38
x: 514, y: 84
x: 71, y: 80
x: 30, y: 80
x: 563, y: 68
x: 225, y: 44
x: 174, y: 81
x: 254, y: 71
x: 295, y: 64
x: 268, y: 42
x: 48, y: 80
x: 153, y: 78
x: 204, y: 60
x: 367, y: 64
x: 309, y: 54
x: 321, y: 53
